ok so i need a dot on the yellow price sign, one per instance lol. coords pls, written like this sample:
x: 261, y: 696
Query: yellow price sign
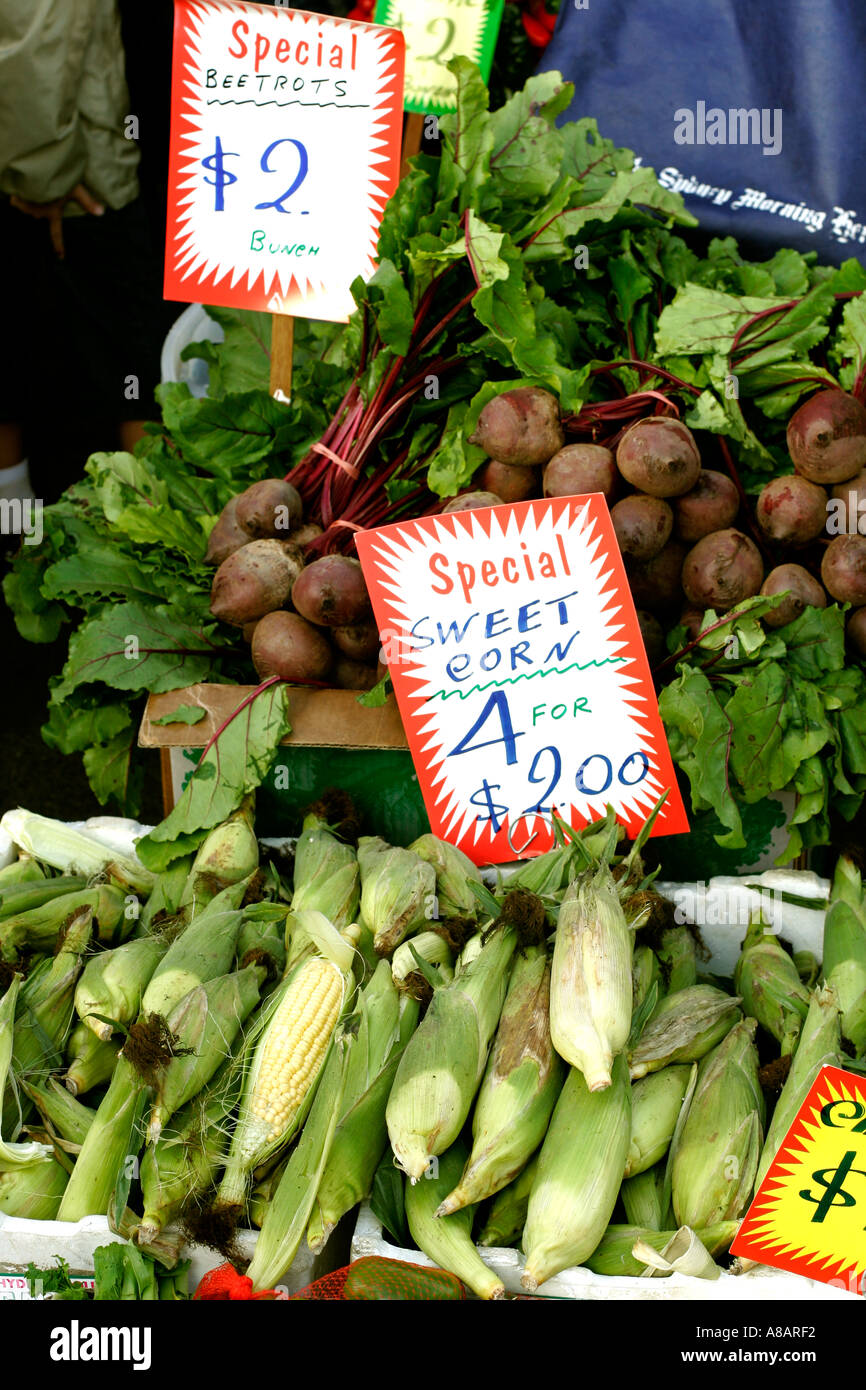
x: 809, y: 1214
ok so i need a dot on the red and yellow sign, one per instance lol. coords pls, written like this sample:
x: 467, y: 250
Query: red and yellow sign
x: 809, y: 1214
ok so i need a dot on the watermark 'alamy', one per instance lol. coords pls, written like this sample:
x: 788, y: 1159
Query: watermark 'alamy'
x: 77, y: 1343
x: 21, y: 518
x: 736, y: 126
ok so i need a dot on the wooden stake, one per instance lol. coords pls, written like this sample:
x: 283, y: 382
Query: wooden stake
x: 282, y: 345
x: 413, y: 132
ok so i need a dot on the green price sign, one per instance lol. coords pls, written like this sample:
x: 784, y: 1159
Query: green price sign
x: 437, y: 31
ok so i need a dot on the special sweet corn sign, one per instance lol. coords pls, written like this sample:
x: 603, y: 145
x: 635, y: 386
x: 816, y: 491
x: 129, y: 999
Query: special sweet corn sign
x: 285, y: 147
x: 809, y: 1214
x: 520, y: 673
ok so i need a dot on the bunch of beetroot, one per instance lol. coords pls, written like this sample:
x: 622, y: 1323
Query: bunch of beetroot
x: 675, y: 521
x: 310, y: 624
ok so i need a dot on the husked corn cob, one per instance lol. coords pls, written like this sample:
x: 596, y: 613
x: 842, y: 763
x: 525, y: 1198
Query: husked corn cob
x: 113, y: 982
x: 683, y: 1028
x: 766, y: 978
x: 326, y: 877
x: 580, y: 1169
x: 523, y: 1079
x: 506, y: 1216
x: 655, y: 1106
x: 714, y: 1158
x: 591, y: 982
x: 398, y: 892
x: 845, y: 950
x: 90, y: 1061
x: 447, y: 1240
x: 455, y: 873
x: 445, y: 1058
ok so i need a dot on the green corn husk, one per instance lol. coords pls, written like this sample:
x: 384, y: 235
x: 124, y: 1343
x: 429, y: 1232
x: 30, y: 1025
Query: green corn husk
x: 326, y: 876
x: 40, y: 928
x: 580, y: 1169
x: 45, y: 1013
x: 264, y: 1191
x: 74, y: 851
x: 183, y: 1163
x: 398, y: 892
x: 65, y: 1115
x: 645, y: 1201
x: 228, y: 855
x: 113, y: 1140
x: 613, y: 1256
x: 432, y: 948
x: 455, y: 873
x: 204, y: 951
x: 506, y: 1214
x: 645, y: 973
x: 591, y: 982
x: 24, y: 869
x: 262, y: 940
x: 33, y: 1191
x: 14, y: 1155
x: 164, y: 900
x: 204, y: 1026
x: 771, y: 990
x: 471, y: 951
x: 677, y: 959
x: 113, y: 982
x: 444, y: 1061
x: 520, y: 1087
x: 808, y: 967
x: 820, y: 1045
x: 714, y: 1158
x: 684, y: 1027
x: 447, y: 1240
x: 845, y: 950
x: 655, y: 1106
x: 385, y: 1020
x: 90, y: 1061
x: 32, y: 893
x: 543, y: 875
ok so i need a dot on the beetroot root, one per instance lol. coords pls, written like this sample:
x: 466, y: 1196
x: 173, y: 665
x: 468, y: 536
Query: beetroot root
x: 655, y: 584
x: 354, y: 675
x: 653, y: 636
x: 827, y: 437
x: 286, y: 645
x: 269, y: 508
x: 227, y: 535
x: 791, y: 510
x: 255, y: 580
x: 711, y: 505
x: 331, y: 592
x: 659, y: 456
x: 359, y: 641
x: 505, y: 481
x: 520, y: 427
x: 303, y: 535
x: 472, y: 502
x: 642, y: 525
x: 722, y: 570
x: 843, y: 569
x: 578, y: 469
x: 855, y: 630
x: 801, y: 588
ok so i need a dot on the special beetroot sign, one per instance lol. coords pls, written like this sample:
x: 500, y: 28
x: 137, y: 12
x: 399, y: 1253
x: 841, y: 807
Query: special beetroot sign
x: 520, y: 673
x: 285, y: 146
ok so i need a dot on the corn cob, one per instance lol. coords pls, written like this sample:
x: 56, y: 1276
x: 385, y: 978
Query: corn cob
x: 430, y: 947
x: 112, y: 1141
x: 184, y: 1161
x: 65, y: 1115
x: 644, y: 1199
x: 591, y: 984
x: 766, y: 978
x: 520, y: 1087
x: 113, y: 982
x: 33, y: 1191
x: 90, y: 1061
x: 31, y: 893
x: 613, y: 1256
x: 398, y: 892
x: 819, y: 1045
x: 13, y: 1155
x: 645, y: 973
x: 845, y: 950
x: 676, y: 954
x: 24, y: 869
x: 203, y: 1027
x: 205, y: 950
x: 288, y: 1051
x: 684, y: 1027
x: 163, y: 903
x: 471, y: 951
x: 455, y: 873
x: 807, y: 967
x: 40, y: 928
x: 444, y: 1060
x: 326, y: 876
x: 447, y: 1240
x: 261, y: 940
x: 580, y: 1169
x: 655, y: 1107
x: 543, y: 875
x: 385, y: 1022
x: 506, y: 1216
x: 74, y: 851
x: 715, y: 1157
x: 228, y: 854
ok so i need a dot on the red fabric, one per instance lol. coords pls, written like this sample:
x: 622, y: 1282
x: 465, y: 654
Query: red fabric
x: 538, y: 24
x: 224, y: 1283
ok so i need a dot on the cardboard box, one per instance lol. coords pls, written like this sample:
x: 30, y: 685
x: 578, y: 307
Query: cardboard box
x: 334, y: 742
